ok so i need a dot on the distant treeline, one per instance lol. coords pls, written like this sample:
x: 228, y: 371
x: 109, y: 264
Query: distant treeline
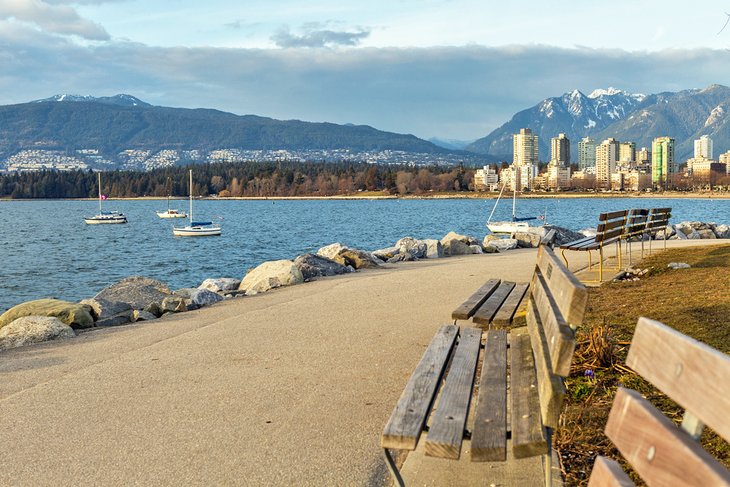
x: 240, y: 179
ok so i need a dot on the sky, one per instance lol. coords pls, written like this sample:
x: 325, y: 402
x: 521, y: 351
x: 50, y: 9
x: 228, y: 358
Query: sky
x: 453, y: 69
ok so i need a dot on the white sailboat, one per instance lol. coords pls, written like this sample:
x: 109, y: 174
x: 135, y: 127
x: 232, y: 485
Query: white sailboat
x: 196, y: 229
x: 105, y: 217
x: 171, y: 212
x: 511, y: 226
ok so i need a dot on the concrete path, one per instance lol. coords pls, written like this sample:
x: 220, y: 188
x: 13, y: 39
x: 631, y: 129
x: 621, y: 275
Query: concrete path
x: 292, y: 387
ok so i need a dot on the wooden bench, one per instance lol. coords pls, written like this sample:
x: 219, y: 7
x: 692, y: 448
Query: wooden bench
x: 695, y: 376
x: 610, y: 228
x: 657, y: 221
x: 635, y: 227
x: 523, y: 368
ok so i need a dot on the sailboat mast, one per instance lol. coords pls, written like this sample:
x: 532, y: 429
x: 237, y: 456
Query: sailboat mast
x: 191, y: 197
x: 514, y: 204
x: 99, y: 175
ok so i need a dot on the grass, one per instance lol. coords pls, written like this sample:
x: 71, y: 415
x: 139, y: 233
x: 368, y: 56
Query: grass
x: 694, y: 301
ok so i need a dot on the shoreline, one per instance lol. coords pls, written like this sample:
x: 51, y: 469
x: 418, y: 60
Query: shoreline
x: 435, y: 196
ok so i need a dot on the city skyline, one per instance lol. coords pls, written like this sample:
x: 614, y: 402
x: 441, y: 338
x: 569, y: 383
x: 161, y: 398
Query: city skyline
x: 450, y: 69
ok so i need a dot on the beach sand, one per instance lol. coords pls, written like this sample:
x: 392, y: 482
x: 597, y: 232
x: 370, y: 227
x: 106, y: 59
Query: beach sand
x: 291, y: 387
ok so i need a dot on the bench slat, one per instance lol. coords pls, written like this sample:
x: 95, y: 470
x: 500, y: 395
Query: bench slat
x: 509, y: 307
x: 487, y: 311
x: 612, y: 215
x: 528, y: 436
x: 447, y: 425
x: 559, y: 337
x: 489, y: 438
x: 660, y: 452
x: 570, y: 294
x: 551, y: 387
x: 579, y: 242
x: 405, y: 424
x: 468, y: 307
x: 686, y: 370
x: 608, y: 473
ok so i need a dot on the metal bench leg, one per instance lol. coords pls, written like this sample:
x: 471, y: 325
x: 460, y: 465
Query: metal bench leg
x: 393, y: 469
x: 600, y: 264
x: 562, y: 252
x: 619, y: 254
x: 549, y: 458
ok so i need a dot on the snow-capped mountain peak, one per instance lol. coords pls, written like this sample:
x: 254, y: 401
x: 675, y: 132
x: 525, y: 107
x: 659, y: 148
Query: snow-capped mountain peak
x: 121, y: 99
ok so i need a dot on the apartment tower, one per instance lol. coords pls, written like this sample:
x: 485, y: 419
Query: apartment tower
x: 662, y: 162
x: 524, y: 147
x: 703, y: 148
x: 606, y: 156
x: 586, y: 153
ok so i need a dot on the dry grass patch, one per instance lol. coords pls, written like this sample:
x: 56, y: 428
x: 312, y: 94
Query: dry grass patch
x: 694, y: 301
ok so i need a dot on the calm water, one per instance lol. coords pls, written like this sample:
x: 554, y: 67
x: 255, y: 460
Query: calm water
x: 48, y: 251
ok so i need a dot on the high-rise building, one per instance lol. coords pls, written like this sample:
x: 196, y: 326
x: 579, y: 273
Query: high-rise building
x: 662, y: 162
x: 524, y: 147
x: 486, y: 179
x: 606, y: 157
x: 586, y: 153
x: 627, y: 152
x: 560, y: 150
x: 703, y: 147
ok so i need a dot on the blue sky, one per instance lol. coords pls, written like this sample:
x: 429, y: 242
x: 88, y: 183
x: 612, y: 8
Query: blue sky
x: 450, y: 68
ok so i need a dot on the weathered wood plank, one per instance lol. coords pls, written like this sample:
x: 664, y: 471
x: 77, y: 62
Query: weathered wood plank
x: 486, y: 312
x: 560, y: 338
x: 468, y: 307
x: 550, y: 386
x: 510, y: 305
x: 406, y: 422
x: 686, y: 370
x: 608, y: 473
x: 570, y: 294
x: 449, y: 418
x: 660, y: 452
x: 611, y: 215
x: 489, y: 437
x: 528, y: 436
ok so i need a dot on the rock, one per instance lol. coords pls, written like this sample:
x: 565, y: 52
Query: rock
x: 72, y: 314
x: 141, y: 315
x: 311, y: 266
x: 706, y: 233
x: 476, y: 249
x: 503, y: 244
x: 332, y: 252
x: 564, y: 235
x: 405, y: 257
x: 33, y: 329
x: 271, y: 275
x: 386, y: 253
x: 489, y: 249
x: 137, y: 291
x: 588, y: 232
x: 103, y: 308
x: 220, y: 284
x: 527, y: 239
x: 117, y: 320
x: 412, y: 246
x: 461, y: 238
x: 434, y: 249
x: 197, y: 298
x: 455, y: 247
x: 173, y: 304
x: 678, y: 265
x: 489, y: 238
x: 358, y: 259
x: 153, y: 308
x: 722, y: 231
x: 699, y: 225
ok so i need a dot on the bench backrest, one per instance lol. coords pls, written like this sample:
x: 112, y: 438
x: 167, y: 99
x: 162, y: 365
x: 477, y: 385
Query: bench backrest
x: 695, y: 376
x: 556, y: 305
x: 658, y: 219
x: 611, y: 225
x: 636, y: 222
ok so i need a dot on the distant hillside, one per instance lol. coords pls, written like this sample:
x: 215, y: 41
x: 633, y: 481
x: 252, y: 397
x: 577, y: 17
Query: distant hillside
x: 114, y: 124
x: 628, y: 117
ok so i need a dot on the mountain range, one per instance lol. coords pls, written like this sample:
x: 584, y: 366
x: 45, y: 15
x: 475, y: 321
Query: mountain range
x: 628, y: 117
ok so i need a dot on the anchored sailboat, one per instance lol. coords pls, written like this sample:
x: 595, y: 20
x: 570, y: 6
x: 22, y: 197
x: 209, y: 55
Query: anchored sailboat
x: 517, y: 224
x: 104, y: 217
x: 170, y: 212
x: 196, y: 229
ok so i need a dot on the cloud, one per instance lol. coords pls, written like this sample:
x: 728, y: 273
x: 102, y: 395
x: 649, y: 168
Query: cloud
x: 452, y: 92
x: 318, y: 38
x: 55, y: 19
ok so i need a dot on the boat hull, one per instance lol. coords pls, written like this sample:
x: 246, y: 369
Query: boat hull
x: 167, y: 214
x: 196, y: 231
x: 105, y: 220
x: 508, y: 227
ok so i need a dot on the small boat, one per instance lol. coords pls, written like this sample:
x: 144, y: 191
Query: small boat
x: 517, y: 224
x: 199, y: 228
x: 170, y: 212
x: 105, y: 217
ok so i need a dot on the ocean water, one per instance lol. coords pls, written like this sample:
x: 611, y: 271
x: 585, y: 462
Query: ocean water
x: 48, y: 251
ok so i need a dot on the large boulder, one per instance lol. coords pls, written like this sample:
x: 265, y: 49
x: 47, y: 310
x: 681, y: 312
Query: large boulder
x: 461, y: 238
x: 311, y: 266
x: 527, y: 239
x: 434, y: 249
x: 722, y: 231
x: 220, y: 284
x: 386, y: 253
x: 72, y: 314
x: 109, y: 313
x: 456, y: 244
x: 503, y: 244
x: 706, y: 233
x: 173, y: 304
x: 197, y: 298
x: 270, y: 275
x: 564, y: 235
x: 332, y: 252
x: 33, y: 329
x: 412, y: 246
x: 357, y: 259
x: 137, y: 291
x: 685, y: 230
